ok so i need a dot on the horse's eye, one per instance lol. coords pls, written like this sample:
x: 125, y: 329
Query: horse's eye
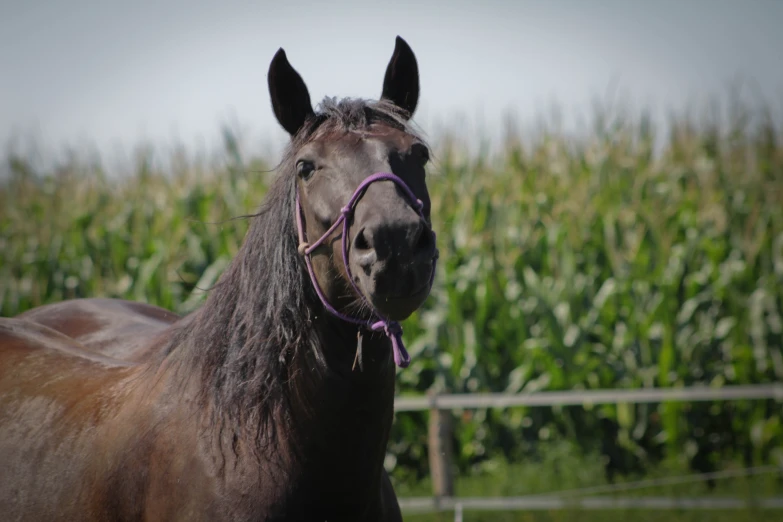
x: 421, y: 152
x: 305, y: 169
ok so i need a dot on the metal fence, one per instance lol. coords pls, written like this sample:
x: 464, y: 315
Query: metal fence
x: 440, y: 451
x: 424, y: 505
x: 589, y: 397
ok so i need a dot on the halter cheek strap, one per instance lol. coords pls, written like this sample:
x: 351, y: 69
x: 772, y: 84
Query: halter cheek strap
x: 391, y: 329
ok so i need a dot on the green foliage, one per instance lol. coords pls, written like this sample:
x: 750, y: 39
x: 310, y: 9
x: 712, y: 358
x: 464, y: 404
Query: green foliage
x: 564, y: 265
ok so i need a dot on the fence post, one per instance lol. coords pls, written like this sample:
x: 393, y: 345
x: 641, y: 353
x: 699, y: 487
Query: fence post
x: 440, y: 451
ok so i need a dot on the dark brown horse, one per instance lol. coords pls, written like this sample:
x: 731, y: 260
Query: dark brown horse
x: 270, y: 402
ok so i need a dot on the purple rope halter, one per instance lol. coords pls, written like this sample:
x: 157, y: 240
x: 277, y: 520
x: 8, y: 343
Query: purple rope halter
x: 392, y: 329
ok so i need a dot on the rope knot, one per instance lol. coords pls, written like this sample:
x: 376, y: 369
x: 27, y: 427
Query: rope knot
x: 302, y: 248
x: 393, y: 329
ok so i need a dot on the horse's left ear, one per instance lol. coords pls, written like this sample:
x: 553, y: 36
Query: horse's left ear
x: 401, y: 83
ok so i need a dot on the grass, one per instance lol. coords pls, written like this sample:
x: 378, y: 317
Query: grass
x: 564, y: 470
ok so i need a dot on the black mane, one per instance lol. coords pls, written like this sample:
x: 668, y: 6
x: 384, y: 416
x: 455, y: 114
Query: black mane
x: 261, y: 316
x: 350, y: 115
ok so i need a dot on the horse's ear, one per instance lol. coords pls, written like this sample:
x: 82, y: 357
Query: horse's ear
x: 401, y: 83
x: 290, y: 98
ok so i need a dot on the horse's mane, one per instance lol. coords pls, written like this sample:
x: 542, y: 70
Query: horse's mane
x: 261, y: 315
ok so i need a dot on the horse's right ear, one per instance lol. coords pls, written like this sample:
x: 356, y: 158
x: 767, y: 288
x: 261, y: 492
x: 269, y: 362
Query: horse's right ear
x: 401, y: 82
x: 290, y: 98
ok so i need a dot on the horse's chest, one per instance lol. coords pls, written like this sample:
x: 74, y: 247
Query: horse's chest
x: 341, y: 484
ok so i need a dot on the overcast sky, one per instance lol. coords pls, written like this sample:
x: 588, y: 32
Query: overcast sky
x: 109, y: 72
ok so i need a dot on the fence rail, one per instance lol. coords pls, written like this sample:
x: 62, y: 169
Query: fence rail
x: 440, y: 452
x: 589, y: 397
x: 429, y: 504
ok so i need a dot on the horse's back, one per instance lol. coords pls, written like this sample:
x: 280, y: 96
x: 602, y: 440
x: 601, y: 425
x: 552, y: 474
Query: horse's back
x: 37, y: 361
x: 54, y: 397
x: 114, y: 328
x: 68, y: 378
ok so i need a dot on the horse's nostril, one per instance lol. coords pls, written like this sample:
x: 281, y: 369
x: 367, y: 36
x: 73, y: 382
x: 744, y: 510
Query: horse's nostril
x: 425, y: 240
x: 360, y: 241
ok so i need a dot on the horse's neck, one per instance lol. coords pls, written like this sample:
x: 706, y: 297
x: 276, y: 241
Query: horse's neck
x: 339, y: 420
x: 328, y: 428
x: 352, y: 397
x: 329, y: 400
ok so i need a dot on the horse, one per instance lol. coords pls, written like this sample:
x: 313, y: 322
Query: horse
x: 274, y: 399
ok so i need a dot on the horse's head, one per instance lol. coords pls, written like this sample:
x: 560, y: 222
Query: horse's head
x: 336, y: 155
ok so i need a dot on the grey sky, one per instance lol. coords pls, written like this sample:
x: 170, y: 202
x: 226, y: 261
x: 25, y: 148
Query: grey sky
x: 111, y: 72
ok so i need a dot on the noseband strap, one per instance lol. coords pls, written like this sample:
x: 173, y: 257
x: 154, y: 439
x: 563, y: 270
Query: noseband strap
x: 378, y: 323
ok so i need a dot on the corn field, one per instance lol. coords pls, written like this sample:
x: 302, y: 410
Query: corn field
x: 565, y: 264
